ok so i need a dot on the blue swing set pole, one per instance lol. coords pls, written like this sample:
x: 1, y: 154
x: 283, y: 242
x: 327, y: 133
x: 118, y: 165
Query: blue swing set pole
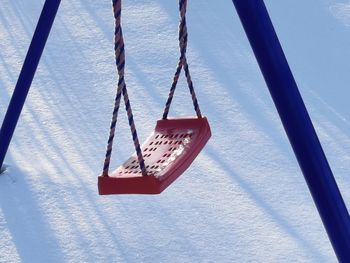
x: 27, y: 73
x: 297, y: 123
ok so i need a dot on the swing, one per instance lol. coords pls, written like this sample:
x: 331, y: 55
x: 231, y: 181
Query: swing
x: 174, y: 143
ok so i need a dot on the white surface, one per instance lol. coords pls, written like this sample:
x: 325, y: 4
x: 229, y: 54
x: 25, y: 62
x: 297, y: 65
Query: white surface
x: 243, y: 200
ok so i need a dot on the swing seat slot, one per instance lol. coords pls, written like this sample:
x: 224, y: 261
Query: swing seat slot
x: 168, y: 152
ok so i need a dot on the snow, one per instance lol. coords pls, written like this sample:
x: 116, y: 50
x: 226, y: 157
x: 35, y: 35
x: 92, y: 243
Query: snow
x: 243, y: 200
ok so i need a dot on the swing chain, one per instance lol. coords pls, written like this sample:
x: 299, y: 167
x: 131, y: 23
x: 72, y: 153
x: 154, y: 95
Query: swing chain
x: 182, y: 64
x: 121, y: 90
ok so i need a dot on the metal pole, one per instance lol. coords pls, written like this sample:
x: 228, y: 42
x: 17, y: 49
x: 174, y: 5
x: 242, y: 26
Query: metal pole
x: 26, y: 76
x: 297, y: 123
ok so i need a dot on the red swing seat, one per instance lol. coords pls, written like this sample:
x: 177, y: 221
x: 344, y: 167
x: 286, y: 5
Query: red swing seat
x: 168, y: 152
x: 173, y: 145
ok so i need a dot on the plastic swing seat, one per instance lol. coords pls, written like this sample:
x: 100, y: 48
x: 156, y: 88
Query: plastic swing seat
x: 168, y: 152
x: 173, y: 145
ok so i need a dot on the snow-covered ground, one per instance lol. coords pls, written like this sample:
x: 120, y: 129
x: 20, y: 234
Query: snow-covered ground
x: 243, y: 200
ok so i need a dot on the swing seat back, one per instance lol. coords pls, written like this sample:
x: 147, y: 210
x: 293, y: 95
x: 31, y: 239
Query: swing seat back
x: 168, y: 152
